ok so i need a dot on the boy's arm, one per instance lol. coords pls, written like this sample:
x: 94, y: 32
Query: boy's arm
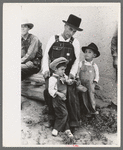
x: 96, y: 73
x: 52, y: 86
x: 53, y: 89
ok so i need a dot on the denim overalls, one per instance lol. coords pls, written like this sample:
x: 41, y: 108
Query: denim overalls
x: 63, y: 49
x: 87, y: 75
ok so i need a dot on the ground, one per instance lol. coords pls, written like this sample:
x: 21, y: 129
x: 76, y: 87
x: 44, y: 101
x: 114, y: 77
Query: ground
x: 34, y: 132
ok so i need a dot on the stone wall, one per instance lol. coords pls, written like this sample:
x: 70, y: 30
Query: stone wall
x: 98, y: 24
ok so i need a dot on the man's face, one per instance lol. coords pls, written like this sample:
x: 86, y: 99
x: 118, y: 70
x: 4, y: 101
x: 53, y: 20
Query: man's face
x: 24, y: 29
x: 68, y: 31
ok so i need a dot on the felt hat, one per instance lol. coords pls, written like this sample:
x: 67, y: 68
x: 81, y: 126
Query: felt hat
x: 25, y: 21
x: 58, y: 61
x: 93, y: 47
x: 74, y: 22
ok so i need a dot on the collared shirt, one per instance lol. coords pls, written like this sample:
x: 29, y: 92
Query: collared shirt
x: 95, y: 68
x: 32, y: 50
x: 53, y: 84
x: 76, y: 45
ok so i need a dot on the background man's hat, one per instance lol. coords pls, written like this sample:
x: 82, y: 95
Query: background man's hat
x: 74, y: 22
x: 25, y: 21
x: 58, y: 61
x: 93, y: 47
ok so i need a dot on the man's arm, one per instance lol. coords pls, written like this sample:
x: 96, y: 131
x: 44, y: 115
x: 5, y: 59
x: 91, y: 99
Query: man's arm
x: 74, y: 68
x: 32, y: 50
x: 45, y: 60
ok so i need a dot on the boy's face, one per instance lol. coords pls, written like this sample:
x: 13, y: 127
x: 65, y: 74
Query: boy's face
x: 24, y: 29
x: 89, y: 55
x: 68, y: 31
x: 60, y: 71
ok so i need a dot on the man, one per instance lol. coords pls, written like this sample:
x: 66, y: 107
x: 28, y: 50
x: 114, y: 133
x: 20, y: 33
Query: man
x: 31, y: 52
x: 64, y: 45
x: 114, y: 50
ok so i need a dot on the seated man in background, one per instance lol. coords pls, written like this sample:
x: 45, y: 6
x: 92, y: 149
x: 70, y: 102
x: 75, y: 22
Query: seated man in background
x: 114, y: 50
x: 31, y: 51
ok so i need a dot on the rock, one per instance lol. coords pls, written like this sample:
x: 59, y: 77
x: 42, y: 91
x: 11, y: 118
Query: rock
x: 32, y: 91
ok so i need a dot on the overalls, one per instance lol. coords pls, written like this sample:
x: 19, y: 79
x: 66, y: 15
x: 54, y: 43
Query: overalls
x: 87, y: 75
x: 64, y: 49
x: 27, y: 70
x: 59, y: 105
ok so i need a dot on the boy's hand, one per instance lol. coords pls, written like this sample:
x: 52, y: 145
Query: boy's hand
x: 63, y: 97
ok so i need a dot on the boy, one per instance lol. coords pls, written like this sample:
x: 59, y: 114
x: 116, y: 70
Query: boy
x: 89, y: 77
x: 58, y: 90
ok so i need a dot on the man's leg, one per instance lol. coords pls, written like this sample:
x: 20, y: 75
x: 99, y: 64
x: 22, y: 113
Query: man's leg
x: 27, y: 71
x: 73, y: 106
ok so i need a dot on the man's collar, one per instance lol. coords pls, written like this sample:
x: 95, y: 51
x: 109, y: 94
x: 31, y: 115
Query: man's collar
x: 63, y: 38
x: 25, y: 37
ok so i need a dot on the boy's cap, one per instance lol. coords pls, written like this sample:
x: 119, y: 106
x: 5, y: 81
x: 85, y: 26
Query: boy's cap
x: 58, y: 61
x: 93, y: 47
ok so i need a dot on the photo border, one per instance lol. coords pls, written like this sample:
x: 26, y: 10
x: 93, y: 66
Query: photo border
x: 39, y: 1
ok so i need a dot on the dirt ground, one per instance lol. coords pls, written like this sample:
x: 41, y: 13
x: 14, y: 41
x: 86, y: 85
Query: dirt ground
x: 34, y: 132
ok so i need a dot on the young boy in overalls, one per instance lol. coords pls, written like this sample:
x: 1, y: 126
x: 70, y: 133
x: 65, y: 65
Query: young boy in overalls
x: 58, y: 90
x: 89, y: 77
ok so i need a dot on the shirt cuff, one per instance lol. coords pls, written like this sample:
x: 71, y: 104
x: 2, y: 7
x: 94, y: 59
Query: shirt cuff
x: 96, y: 80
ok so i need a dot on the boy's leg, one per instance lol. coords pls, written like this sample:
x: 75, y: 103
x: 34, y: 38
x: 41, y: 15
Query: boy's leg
x: 61, y: 114
x: 91, y: 94
x: 51, y: 113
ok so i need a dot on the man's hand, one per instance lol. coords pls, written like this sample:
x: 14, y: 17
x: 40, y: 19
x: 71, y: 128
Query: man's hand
x: 69, y: 81
x: 46, y: 74
x: 63, y: 97
x: 71, y: 76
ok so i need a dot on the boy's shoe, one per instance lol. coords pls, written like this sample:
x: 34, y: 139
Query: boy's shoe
x: 69, y: 134
x: 54, y: 132
x: 97, y: 112
x: 81, y: 88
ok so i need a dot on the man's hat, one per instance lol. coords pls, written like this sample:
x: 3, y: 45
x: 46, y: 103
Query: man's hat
x: 74, y: 22
x: 25, y: 21
x: 58, y: 61
x: 93, y: 47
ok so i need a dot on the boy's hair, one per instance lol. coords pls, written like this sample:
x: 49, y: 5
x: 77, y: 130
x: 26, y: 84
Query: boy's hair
x: 61, y: 65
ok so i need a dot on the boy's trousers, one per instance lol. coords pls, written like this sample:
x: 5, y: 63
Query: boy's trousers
x: 61, y: 114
